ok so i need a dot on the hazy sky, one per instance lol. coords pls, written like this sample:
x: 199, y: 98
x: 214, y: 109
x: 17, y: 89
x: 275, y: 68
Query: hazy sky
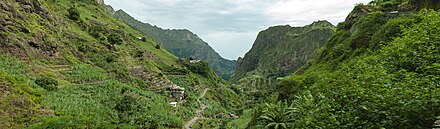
x: 231, y: 26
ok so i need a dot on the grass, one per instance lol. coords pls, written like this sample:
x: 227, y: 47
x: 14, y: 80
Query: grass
x: 20, y: 97
x: 241, y: 122
x: 97, y: 87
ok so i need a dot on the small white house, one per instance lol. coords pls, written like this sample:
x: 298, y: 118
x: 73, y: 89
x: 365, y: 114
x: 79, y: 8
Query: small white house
x: 173, y: 104
x: 195, y: 61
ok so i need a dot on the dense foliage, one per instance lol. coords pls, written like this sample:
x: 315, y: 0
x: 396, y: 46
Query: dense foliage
x: 74, y: 14
x: 47, y: 83
x: 277, y: 116
x: 115, y: 39
x: 395, y: 85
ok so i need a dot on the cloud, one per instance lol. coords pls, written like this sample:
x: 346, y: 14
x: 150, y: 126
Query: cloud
x: 230, y: 26
x: 302, y: 12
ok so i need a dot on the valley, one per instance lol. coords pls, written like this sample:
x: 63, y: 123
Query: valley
x: 81, y: 64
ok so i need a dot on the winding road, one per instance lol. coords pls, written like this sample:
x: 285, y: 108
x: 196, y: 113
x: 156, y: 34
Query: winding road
x: 198, y: 112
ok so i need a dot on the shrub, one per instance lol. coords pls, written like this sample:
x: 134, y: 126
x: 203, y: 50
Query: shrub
x: 47, y: 83
x: 115, y: 39
x: 277, y: 116
x: 199, y: 68
x: 144, y: 39
x: 74, y: 14
x: 126, y: 104
x: 157, y: 46
x: 97, y: 31
x: 139, y: 54
x: 110, y: 58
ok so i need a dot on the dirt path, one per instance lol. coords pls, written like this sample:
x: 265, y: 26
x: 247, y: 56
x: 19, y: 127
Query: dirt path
x: 203, y: 94
x: 198, y: 112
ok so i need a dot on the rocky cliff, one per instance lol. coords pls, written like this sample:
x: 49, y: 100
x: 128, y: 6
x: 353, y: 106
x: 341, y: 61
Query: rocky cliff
x: 281, y: 50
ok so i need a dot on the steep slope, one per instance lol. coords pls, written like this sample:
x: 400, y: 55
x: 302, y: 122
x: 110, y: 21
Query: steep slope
x: 280, y: 50
x: 182, y: 43
x: 68, y: 64
x: 380, y: 70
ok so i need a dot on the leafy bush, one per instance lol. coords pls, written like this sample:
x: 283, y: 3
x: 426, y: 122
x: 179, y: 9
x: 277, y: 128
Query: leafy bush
x: 97, y: 31
x: 201, y: 68
x: 47, y: 83
x: 115, y: 39
x: 277, y: 116
x: 74, y: 14
x: 157, y: 46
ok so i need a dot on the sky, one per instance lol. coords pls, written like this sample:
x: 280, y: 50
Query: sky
x: 231, y: 26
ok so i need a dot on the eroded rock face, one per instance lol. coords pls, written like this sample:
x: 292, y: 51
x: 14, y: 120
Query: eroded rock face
x: 281, y: 50
x: 12, y: 13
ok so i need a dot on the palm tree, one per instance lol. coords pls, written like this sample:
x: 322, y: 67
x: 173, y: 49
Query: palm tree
x: 277, y: 116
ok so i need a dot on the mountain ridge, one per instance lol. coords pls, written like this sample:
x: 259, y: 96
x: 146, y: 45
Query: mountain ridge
x: 183, y: 43
x: 272, y: 52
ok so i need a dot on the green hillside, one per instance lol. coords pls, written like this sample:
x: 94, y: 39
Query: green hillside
x: 182, y: 43
x: 74, y: 64
x: 279, y: 51
x: 379, y: 70
x: 68, y: 64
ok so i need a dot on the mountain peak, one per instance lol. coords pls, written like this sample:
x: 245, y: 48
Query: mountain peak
x: 282, y: 49
x: 323, y: 23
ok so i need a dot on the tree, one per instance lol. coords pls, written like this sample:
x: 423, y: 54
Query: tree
x: 74, y: 14
x: 157, y: 46
x: 144, y: 39
x: 115, y: 39
x: 277, y: 116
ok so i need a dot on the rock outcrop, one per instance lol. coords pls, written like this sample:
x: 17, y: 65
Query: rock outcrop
x: 281, y: 50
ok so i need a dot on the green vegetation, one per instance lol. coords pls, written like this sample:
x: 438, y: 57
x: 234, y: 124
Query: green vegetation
x: 280, y: 50
x: 115, y: 39
x: 242, y: 121
x: 20, y: 96
x: 74, y: 14
x: 47, y: 83
x: 69, y: 64
x: 364, y: 79
x: 112, y: 104
x: 277, y: 52
x: 182, y: 43
x: 278, y: 116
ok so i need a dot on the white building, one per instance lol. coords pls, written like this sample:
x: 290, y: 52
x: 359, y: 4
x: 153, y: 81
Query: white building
x: 173, y: 104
